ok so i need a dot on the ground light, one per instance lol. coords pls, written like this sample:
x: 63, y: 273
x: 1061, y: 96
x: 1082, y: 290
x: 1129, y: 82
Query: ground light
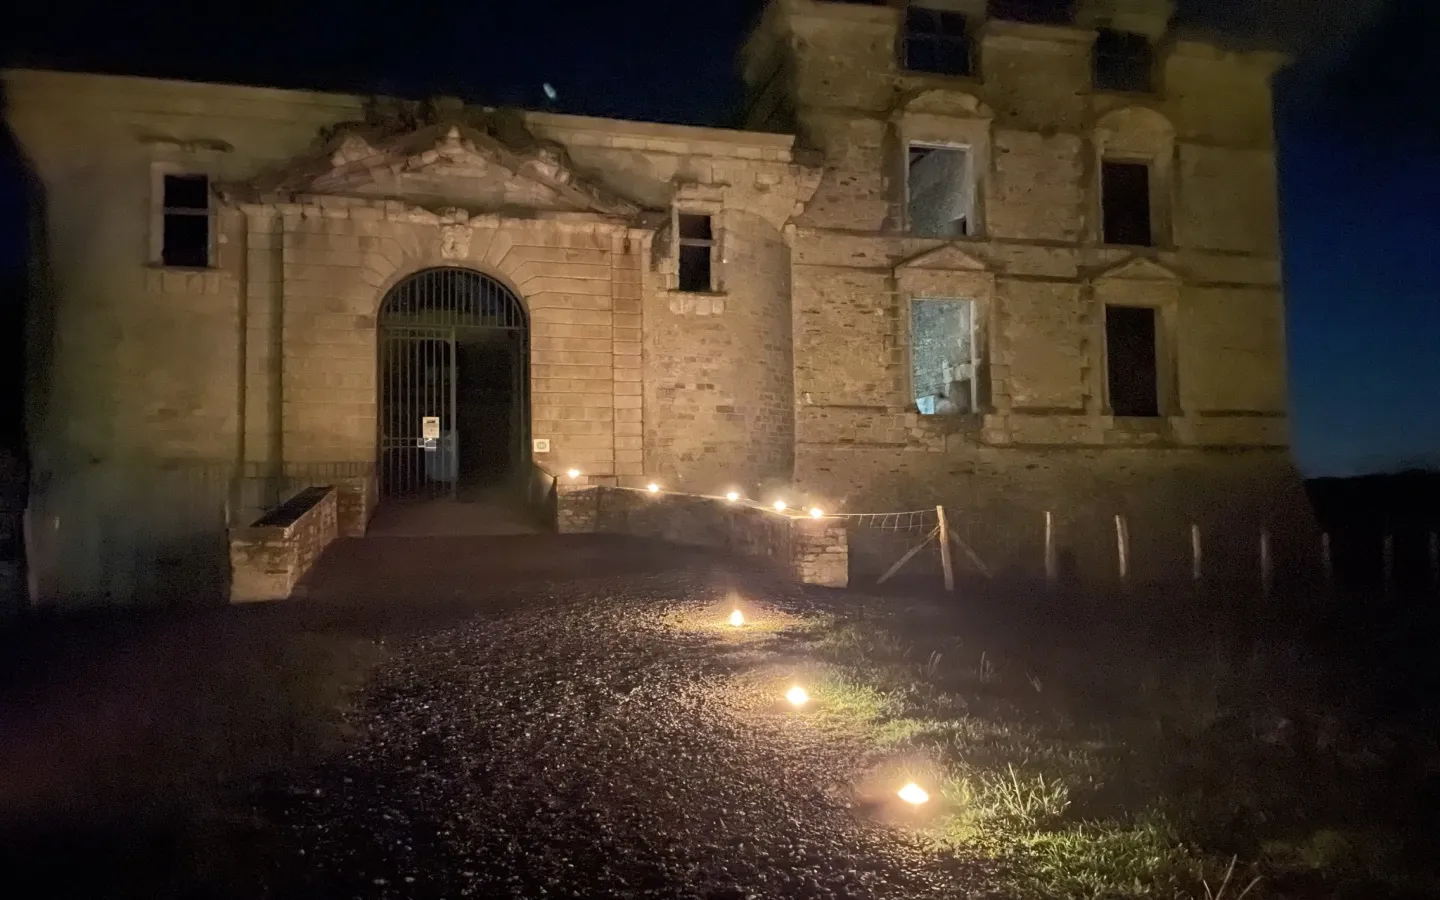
x: 797, y: 696
x: 653, y: 488
x: 817, y: 513
x: 913, y: 794
x: 737, y: 618
x: 573, y: 473
x: 732, y: 496
x: 779, y: 505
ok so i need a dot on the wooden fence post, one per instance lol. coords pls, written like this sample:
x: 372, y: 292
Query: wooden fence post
x: 945, y: 560
x: 1196, y: 553
x: 1267, y: 569
x: 1122, y: 549
x: 1052, y: 573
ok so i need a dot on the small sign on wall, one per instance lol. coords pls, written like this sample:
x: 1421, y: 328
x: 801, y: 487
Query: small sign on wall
x: 430, y: 432
x: 541, y: 445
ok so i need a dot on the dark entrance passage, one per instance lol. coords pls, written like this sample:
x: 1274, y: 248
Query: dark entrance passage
x: 454, y: 388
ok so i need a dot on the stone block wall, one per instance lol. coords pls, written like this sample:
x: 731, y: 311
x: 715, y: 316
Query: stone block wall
x: 813, y: 551
x: 268, y: 559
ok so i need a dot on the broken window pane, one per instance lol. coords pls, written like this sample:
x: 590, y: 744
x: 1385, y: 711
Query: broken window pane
x: 1130, y: 361
x: 942, y: 356
x: 185, y: 239
x: 936, y: 41
x: 1123, y: 62
x: 1125, y: 199
x: 940, y: 195
x: 697, y: 244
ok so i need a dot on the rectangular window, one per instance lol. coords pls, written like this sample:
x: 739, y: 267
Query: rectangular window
x: 942, y: 356
x: 1130, y: 361
x: 1036, y: 12
x: 1125, y: 202
x: 937, y: 41
x: 1122, y: 61
x: 938, y: 182
x: 185, y: 220
x: 697, y: 250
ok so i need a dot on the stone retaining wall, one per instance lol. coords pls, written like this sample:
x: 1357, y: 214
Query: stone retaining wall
x: 813, y: 550
x: 269, y: 558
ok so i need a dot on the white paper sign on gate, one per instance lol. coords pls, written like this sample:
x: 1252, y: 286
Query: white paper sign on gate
x: 430, y: 428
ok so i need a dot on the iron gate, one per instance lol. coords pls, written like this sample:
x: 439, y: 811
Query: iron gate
x: 425, y: 321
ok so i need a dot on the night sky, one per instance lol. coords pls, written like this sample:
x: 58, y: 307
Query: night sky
x: 1359, y: 144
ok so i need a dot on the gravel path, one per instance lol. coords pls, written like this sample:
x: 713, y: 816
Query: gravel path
x: 576, y: 742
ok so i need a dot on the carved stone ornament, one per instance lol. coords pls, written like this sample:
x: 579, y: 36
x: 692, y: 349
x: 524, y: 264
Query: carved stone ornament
x: 455, y: 241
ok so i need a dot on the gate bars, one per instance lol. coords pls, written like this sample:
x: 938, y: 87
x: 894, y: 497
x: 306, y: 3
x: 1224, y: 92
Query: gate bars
x: 421, y: 320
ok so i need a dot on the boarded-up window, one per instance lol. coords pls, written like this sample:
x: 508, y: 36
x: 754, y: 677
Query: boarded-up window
x: 1130, y: 361
x: 1125, y: 198
x: 940, y: 194
x: 186, y: 221
x: 942, y: 356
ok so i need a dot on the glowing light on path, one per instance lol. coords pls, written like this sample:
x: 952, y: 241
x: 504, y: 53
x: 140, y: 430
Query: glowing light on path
x: 816, y: 512
x: 653, y: 488
x: 779, y: 505
x: 913, y: 794
x: 573, y: 473
x: 732, y: 496
x: 737, y: 618
x: 797, y: 696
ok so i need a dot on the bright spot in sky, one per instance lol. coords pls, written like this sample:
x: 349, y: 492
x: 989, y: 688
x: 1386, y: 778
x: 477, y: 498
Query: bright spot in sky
x: 550, y: 91
x: 737, y: 618
x: 914, y: 794
x: 797, y: 696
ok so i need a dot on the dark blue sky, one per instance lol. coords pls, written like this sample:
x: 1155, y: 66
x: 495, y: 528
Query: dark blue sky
x: 1360, y: 163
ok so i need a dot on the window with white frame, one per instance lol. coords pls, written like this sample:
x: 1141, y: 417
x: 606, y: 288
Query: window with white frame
x: 943, y: 359
x: 697, y: 252
x: 185, y: 220
x: 939, y: 193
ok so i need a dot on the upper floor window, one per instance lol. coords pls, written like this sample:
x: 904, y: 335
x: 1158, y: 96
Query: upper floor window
x: 697, y: 253
x: 1125, y: 203
x: 185, y: 221
x: 937, y: 41
x: 1131, y: 371
x: 1122, y: 61
x: 938, y: 187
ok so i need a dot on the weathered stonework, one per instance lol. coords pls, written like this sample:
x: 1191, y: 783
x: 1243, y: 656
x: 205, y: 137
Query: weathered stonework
x: 813, y: 551
x: 268, y: 559
x: 791, y: 374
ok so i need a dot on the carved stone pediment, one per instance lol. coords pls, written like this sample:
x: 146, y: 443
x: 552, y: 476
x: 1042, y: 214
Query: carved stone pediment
x: 945, y: 256
x: 1138, y: 268
x: 480, y: 161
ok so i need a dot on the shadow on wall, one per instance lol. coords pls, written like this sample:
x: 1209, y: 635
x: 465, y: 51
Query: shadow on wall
x: 26, y: 327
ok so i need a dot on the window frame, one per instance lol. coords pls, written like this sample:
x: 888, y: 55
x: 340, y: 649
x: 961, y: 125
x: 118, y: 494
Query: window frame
x: 1096, y: 54
x: 972, y: 185
x: 1163, y: 386
x: 160, y: 213
x: 975, y: 356
x: 940, y: 40
x: 1153, y: 240
x: 712, y: 243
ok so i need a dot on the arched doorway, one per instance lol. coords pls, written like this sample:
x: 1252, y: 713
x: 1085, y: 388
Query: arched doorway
x: 454, y: 385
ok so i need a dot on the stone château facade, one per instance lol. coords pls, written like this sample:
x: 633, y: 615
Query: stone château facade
x: 1008, y: 266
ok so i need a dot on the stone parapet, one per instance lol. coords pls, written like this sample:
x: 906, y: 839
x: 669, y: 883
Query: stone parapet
x: 813, y: 550
x: 269, y: 558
